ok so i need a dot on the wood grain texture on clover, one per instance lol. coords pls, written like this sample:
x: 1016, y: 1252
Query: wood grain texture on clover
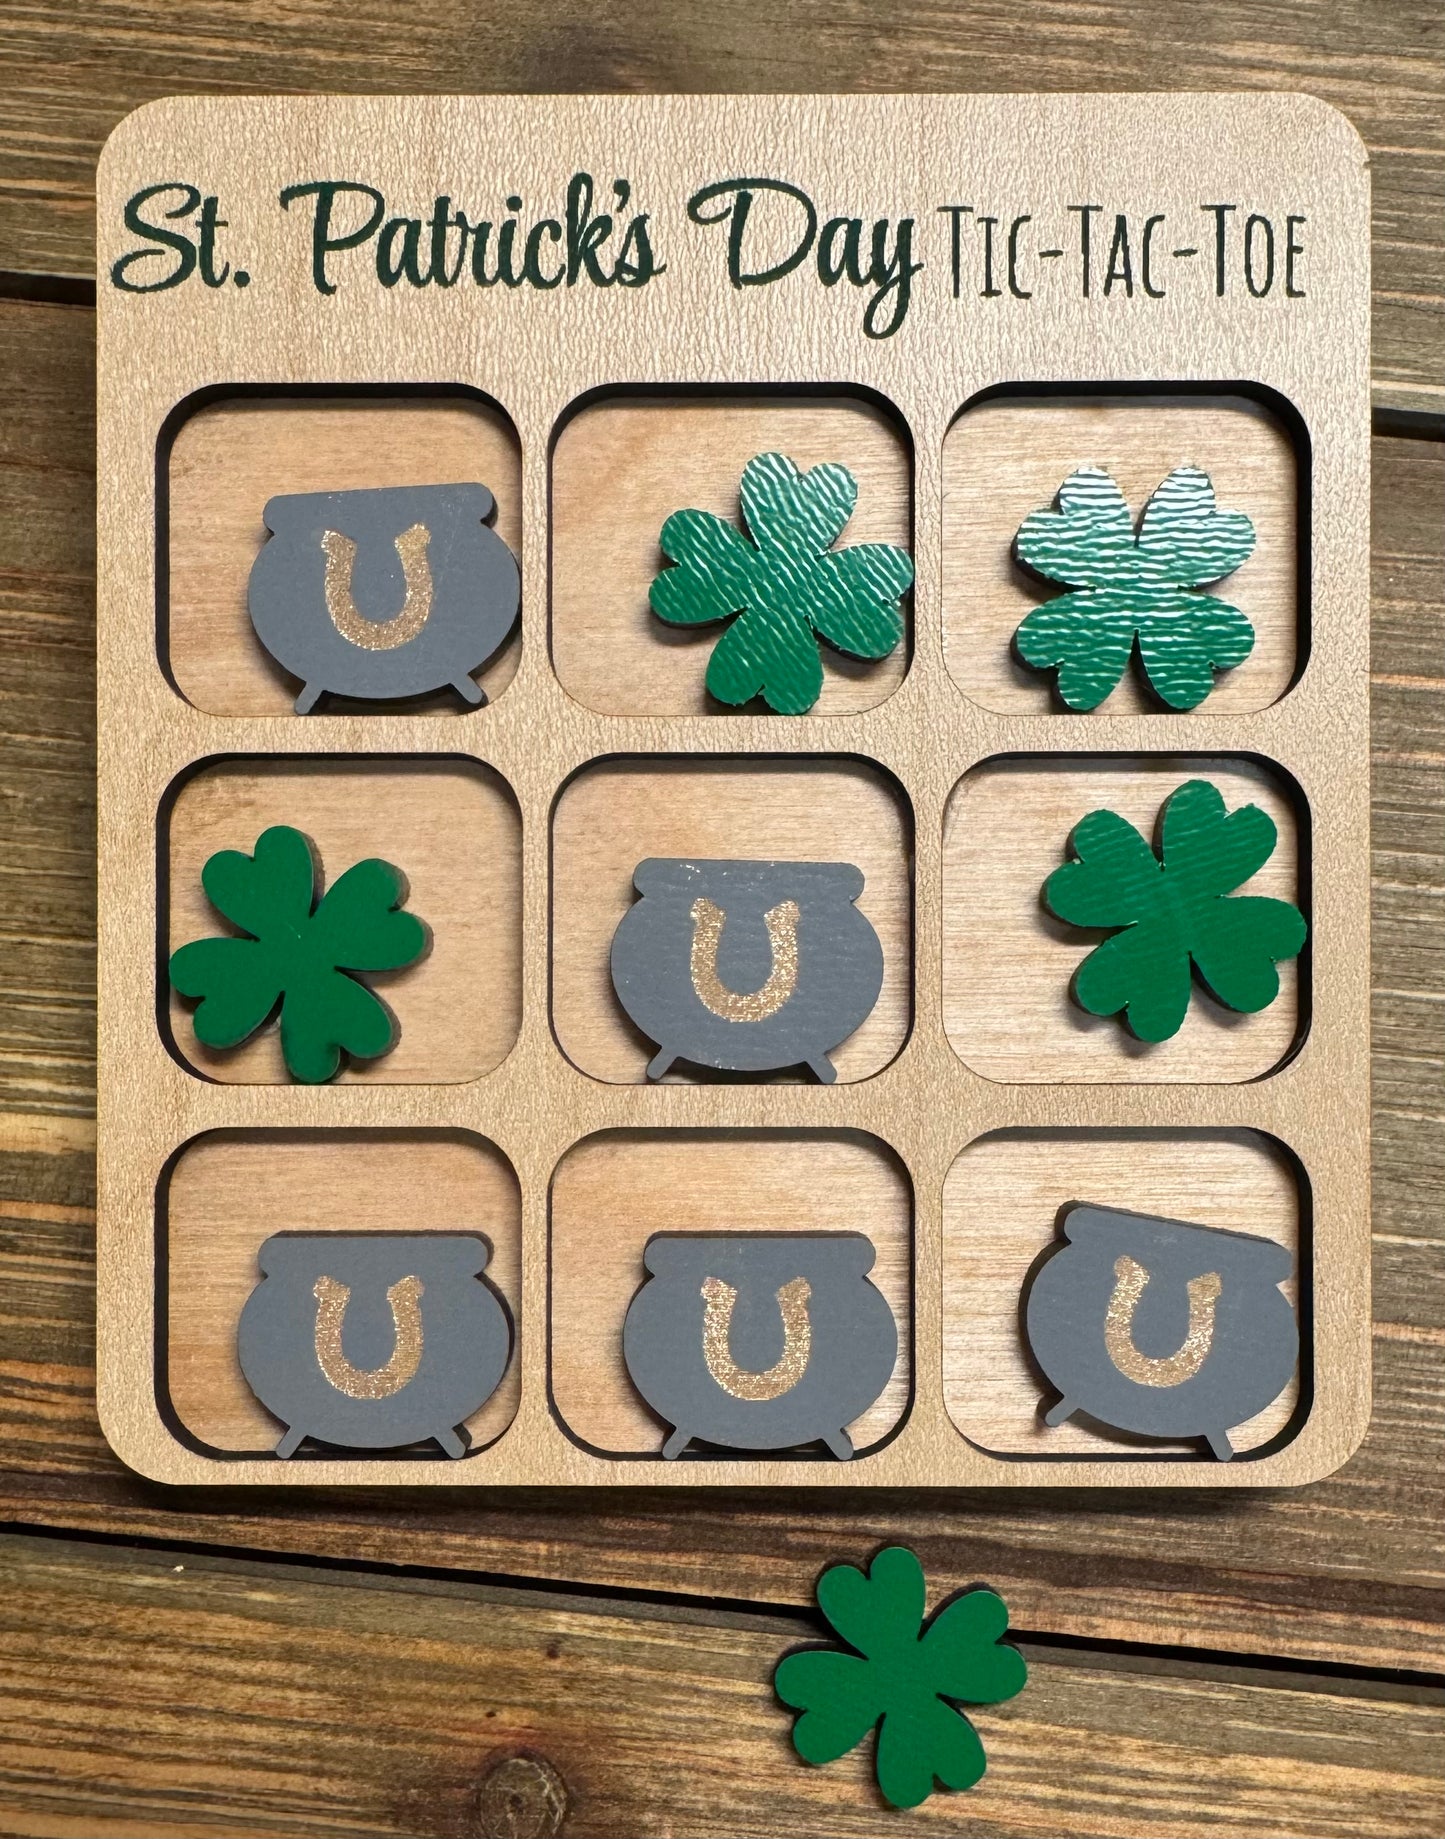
x: 999, y: 936
x: 1004, y: 460
x: 620, y: 468
x: 453, y: 831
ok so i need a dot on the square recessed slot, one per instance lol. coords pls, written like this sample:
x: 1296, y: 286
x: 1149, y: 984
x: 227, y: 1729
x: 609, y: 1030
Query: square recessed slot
x: 1008, y: 962
x: 227, y: 458
x: 617, y: 814
x: 450, y: 825
x: 622, y: 465
x: 1002, y: 1202
x: 612, y: 1192
x: 226, y: 1193
x: 1007, y: 455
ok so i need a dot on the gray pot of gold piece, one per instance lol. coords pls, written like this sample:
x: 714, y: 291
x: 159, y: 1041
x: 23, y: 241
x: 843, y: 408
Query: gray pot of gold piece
x: 759, y: 1340
x: 1161, y: 1328
x: 374, y: 1340
x: 746, y: 966
x: 383, y: 594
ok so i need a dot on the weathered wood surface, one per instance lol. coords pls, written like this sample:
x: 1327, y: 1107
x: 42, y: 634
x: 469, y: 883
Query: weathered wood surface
x: 224, y: 1697
x: 291, y: 1699
x: 1351, y: 1570
x: 68, y: 74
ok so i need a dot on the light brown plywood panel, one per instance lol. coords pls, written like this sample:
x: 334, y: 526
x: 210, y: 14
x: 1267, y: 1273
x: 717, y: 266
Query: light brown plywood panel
x: 1001, y: 1204
x: 620, y: 468
x: 230, y: 457
x: 871, y: 785
x: 612, y: 1192
x: 1006, y: 458
x: 613, y: 816
x: 450, y: 826
x: 1008, y: 962
x: 229, y: 1192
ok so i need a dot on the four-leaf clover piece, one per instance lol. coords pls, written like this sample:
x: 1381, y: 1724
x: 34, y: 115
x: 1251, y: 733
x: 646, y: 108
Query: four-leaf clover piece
x: 903, y: 1674
x: 786, y: 588
x: 298, y: 954
x: 1173, y: 912
x: 1130, y: 588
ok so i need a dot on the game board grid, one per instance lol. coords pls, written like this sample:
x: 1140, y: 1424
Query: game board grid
x: 876, y: 1104
x: 532, y: 1105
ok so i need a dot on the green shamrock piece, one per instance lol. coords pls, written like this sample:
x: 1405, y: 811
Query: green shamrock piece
x: 1175, y: 911
x: 784, y: 586
x: 1130, y: 588
x: 298, y: 954
x: 904, y: 1676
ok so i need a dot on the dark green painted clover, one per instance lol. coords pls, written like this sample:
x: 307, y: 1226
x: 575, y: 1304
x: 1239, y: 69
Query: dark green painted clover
x: 1175, y: 911
x: 298, y: 954
x: 902, y: 1674
x: 784, y: 587
x: 1130, y: 589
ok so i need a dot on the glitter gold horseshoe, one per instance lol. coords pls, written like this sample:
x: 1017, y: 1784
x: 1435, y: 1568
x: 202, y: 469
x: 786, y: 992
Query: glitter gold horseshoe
x: 374, y: 1382
x: 757, y: 1005
x: 1193, y: 1350
x: 786, y: 1371
x: 379, y: 634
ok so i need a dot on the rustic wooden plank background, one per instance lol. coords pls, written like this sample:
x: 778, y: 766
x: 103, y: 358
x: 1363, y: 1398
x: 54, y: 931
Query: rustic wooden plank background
x: 196, y: 1664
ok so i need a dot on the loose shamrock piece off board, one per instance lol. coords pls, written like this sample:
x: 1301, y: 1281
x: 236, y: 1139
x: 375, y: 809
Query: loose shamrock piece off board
x: 902, y: 1674
x: 1129, y: 588
x: 298, y: 954
x: 1176, y: 911
x: 784, y: 586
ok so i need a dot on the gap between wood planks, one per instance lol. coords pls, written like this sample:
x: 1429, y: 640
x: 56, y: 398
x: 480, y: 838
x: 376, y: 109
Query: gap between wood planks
x: 1407, y: 1684
x: 215, y: 1696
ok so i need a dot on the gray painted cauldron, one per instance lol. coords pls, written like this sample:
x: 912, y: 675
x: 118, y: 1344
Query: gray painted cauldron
x: 347, y: 596
x: 1161, y: 1328
x: 689, y: 987
x: 788, y: 1317
x: 373, y: 1340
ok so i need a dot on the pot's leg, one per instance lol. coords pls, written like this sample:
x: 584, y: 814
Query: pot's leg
x: 676, y: 1443
x: 292, y: 1441
x: 841, y: 1445
x: 660, y: 1062
x: 470, y: 692
x: 823, y: 1068
x: 1056, y: 1414
x: 1219, y: 1443
x: 309, y: 698
x: 452, y: 1444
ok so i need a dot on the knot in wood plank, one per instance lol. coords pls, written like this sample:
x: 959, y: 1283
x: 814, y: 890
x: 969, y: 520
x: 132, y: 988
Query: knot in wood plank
x: 521, y: 1797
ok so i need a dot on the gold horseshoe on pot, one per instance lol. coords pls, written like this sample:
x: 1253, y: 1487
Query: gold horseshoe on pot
x: 756, y: 1005
x: 404, y: 1296
x: 379, y: 634
x: 785, y: 1372
x: 1130, y: 1281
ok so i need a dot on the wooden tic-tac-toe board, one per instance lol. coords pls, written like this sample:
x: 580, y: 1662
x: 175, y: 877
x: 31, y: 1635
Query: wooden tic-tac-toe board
x: 931, y: 963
